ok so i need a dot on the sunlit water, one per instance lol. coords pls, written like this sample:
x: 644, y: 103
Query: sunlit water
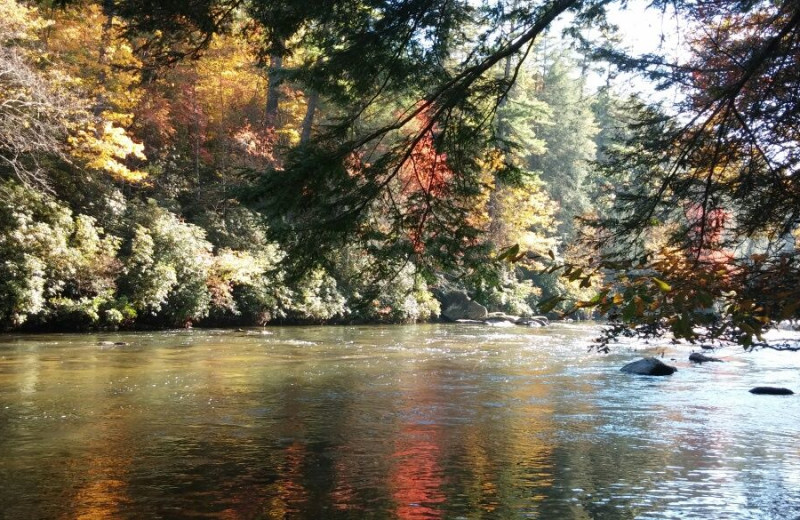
x: 435, y: 421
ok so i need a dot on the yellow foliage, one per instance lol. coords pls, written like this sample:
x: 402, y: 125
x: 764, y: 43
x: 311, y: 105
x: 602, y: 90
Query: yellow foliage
x: 84, y: 46
x: 18, y: 22
x: 104, y: 152
x: 522, y: 215
x: 227, y: 80
x: 528, y: 217
x: 105, y: 63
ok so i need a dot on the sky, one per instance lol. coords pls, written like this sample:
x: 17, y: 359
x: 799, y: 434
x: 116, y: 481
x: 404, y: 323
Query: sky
x: 648, y: 30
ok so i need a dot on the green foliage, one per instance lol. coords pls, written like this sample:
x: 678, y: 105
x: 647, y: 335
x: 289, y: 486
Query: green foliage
x: 566, y: 168
x: 313, y: 298
x: 513, y: 295
x: 377, y: 292
x: 168, y: 264
x: 51, y: 262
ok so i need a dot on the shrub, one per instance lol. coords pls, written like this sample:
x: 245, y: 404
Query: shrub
x: 167, y: 267
x: 51, y: 261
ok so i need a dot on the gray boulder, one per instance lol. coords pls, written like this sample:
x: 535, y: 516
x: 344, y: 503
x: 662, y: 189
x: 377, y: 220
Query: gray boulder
x: 457, y: 305
x: 648, y: 367
x: 696, y: 357
x: 770, y: 390
x: 501, y: 316
x: 535, y: 321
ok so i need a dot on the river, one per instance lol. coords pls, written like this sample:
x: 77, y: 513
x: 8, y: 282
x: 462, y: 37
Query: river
x: 407, y: 422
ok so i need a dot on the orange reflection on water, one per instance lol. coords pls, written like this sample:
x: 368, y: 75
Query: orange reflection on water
x: 417, y: 475
x: 104, y: 493
x: 289, y: 491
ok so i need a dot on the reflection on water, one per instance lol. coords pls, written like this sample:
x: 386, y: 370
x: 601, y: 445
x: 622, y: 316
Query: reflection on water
x: 417, y: 422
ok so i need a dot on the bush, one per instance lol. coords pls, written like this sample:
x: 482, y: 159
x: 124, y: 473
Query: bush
x: 52, y: 265
x: 167, y: 267
x: 314, y: 298
x: 393, y: 293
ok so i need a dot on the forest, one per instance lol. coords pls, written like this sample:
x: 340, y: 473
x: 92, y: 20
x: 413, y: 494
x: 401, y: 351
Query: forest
x: 235, y: 162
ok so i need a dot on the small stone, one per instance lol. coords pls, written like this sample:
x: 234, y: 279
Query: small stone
x: 697, y: 357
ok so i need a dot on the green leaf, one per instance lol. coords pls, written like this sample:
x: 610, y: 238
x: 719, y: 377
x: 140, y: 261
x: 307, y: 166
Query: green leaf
x: 510, y: 253
x: 549, y: 304
x: 662, y: 285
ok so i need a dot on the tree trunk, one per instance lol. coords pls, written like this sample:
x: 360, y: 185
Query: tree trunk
x: 308, y: 120
x: 273, y: 89
x: 102, y: 55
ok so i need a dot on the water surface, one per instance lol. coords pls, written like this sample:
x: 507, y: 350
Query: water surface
x: 429, y: 421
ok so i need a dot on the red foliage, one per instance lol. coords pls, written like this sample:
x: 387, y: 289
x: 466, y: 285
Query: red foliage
x: 424, y: 177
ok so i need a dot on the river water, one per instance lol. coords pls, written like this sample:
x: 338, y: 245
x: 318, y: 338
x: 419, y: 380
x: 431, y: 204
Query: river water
x: 428, y: 421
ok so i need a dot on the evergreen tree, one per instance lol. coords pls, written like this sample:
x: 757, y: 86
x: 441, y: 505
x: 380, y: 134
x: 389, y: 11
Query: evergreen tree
x: 566, y: 168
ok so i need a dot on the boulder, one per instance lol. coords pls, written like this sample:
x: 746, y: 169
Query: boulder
x: 501, y: 316
x: 530, y: 323
x: 536, y: 321
x: 697, y: 357
x: 457, y: 305
x: 648, y: 367
x: 500, y: 323
x: 770, y: 390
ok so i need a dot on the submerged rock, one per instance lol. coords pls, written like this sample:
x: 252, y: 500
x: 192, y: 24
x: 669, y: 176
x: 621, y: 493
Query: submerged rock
x: 770, y: 390
x: 697, y: 357
x: 648, y: 367
x: 500, y: 323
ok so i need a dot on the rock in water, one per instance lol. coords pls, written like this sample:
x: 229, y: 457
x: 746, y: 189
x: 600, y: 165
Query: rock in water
x: 697, y: 357
x: 770, y: 390
x: 649, y: 367
x: 457, y: 305
x: 536, y: 321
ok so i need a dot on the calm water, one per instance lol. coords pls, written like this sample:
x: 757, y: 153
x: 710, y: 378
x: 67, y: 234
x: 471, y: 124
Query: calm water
x: 435, y: 421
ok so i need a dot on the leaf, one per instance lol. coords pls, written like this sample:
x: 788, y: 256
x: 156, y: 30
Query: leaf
x: 574, y: 275
x: 509, y: 254
x: 596, y: 300
x: 662, y: 285
x: 705, y: 299
x: 549, y: 304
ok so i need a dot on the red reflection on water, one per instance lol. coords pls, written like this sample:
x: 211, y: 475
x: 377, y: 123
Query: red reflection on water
x: 291, y: 492
x: 417, y: 475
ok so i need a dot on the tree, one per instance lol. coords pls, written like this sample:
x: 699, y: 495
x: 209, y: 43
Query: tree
x: 35, y: 109
x: 566, y: 168
x: 715, y: 184
x: 420, y: 158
